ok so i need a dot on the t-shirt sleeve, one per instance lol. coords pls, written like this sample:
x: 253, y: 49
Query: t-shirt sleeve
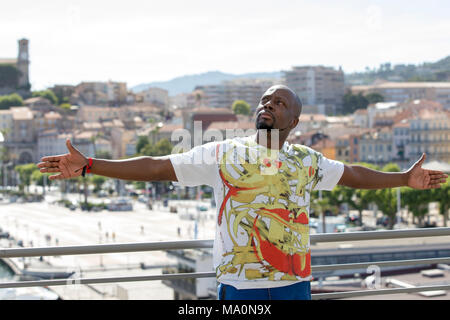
x: 197, y: 166
x: 329, y: 172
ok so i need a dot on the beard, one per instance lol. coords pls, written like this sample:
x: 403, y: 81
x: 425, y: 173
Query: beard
x: 261, y: 124
x: 264, y: 126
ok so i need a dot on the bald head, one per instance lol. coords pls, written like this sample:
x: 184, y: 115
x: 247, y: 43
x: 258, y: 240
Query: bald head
x: 296, y: 102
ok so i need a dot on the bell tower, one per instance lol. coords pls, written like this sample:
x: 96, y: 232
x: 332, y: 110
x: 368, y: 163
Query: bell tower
x: 23, y: 64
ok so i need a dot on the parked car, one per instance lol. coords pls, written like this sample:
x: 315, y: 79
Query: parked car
x: 340, y: 228
x: 351, y: 218
x: 121, y: 204
x: 4, y: 235
x: 383, y: 221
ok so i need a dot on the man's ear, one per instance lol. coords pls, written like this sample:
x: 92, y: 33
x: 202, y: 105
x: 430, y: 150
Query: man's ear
x: 295, y: 122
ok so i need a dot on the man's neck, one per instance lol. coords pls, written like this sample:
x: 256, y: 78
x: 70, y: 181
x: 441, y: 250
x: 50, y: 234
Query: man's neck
x: 271, y: 139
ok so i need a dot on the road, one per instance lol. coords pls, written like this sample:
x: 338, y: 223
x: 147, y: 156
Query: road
x: 31, y: 222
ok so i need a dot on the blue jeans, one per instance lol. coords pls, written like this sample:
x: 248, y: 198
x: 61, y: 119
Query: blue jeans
x: 297, y: 291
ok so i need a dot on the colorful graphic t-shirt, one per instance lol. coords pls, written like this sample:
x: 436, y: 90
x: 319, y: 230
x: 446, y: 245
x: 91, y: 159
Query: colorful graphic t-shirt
x: 262, y: 197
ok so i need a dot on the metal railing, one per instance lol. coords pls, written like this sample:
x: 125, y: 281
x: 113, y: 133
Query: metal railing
x: 197, y: 244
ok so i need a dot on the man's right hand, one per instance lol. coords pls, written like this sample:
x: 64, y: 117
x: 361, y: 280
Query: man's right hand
x: 68, y: 165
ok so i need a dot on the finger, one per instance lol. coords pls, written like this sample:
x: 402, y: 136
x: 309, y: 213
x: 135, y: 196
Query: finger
x: 70, y: 147
x: 422, y: 159
x: 56, y: 177
x: 53, y: 158
x: 41, y: 165
x: 434, y: 172
x: 43, y: 170
x: 48, y: 164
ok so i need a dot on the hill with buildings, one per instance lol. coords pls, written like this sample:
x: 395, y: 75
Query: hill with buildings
x: 186, y: 84
x: 427, y: 71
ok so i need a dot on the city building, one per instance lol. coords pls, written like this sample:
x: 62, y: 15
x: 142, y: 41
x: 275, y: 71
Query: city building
x: 100, y: 93
x: 404, y: 91
x: 6, y: 122
x: 157, y: 133
x: 191, y: 260
x: 156, y: 96
x: 376, y: 146
x: 310, y: 122
x: 123, y: 142
x: 401, y: 137
x: 124, y: 113
x: 342, y: 146
x: 18, y: 68
x: 326, y: 146
x: 48, y: 121
x: 21, y: 140
x: 231, y: 129
x: 201, y: 118
x: 361, y: 118
x: 223, y: 95
x: 51, y: 142
x: 429, y: 133
x: 318, y: 86
x: 63, y: 92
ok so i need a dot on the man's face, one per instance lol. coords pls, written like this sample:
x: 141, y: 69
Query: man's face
x: 275, y: 109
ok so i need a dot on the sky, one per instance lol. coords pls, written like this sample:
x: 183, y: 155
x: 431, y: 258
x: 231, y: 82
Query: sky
x: 137, y: 41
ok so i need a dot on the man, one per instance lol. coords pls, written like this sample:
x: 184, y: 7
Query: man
x: 262, y: 186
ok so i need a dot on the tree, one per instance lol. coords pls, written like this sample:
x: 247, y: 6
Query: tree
x: 442, y: 197
x: 25, y: 171
x: 141, y: 143
x: 161, y: 148
x: 353, y: 102
x: 38, y: 178
x: 9, y: 76
x: 11, y: 100
x: 65, y: 106
x: 241, y: 107
x: 386, y: 199
x: 358, y: 199
x: 417, y: 202
x: 103, y: 154
x: 47, y: 94
x: 98, y: 182
x: 374, y: 97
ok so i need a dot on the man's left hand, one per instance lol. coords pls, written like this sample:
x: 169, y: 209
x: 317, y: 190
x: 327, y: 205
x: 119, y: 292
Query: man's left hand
x: 419, y: 178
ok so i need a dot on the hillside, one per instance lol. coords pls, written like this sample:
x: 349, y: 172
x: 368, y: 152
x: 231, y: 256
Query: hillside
x: 428, y: 71
x: 186, y: 84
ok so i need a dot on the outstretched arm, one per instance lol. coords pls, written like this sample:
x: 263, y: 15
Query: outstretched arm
x: 138, y: 169
x: 363, y: 178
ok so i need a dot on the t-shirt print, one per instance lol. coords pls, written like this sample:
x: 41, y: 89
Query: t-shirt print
x: 263, y: 207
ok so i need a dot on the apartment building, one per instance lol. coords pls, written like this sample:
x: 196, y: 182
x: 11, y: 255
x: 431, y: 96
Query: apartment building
x: 6, y: 121
x: 401, y: 137
x: 51, y: 142
x: 319, y: 86
x: 376, y: 146
x: 124, y: 113
x: 155, y: 96
x: 223, y: 95
x: 21, y: 140
x: 430, y: 133
x: 100, y: 93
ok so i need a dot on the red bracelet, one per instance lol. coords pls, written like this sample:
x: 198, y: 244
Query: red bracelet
x: 89, y: 166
